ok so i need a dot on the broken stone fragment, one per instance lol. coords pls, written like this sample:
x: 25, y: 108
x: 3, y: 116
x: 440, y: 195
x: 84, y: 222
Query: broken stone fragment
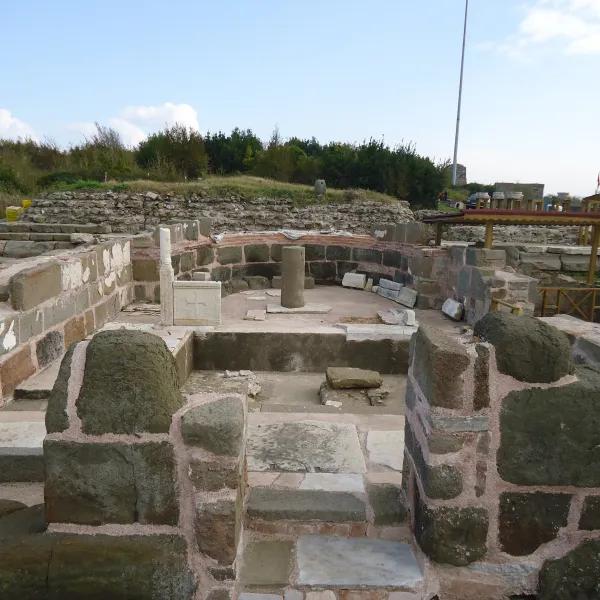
x: 453, y: 309
x: 377, y: 397
x: 349, y: 378
x: 393, y: 316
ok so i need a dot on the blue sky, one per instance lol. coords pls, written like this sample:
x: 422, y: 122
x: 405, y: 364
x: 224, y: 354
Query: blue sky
x: 337, y: 69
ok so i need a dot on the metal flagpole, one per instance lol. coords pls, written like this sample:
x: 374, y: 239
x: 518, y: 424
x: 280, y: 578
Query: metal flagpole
x: 462, y: 65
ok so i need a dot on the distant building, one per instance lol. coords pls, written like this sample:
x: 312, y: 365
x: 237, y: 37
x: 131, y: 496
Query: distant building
x: 531, y: 191
x: 461, y: 175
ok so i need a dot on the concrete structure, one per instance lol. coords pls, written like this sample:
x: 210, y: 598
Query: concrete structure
x: 292, y: 276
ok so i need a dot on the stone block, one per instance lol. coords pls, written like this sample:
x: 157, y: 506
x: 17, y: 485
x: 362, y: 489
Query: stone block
x: 453, y: 309
x: 590, y: 514
x: 387, y: 293
x: 267, y: 270
x: 31, y: 287
x: 344, y: 266
x: 349, y: 377
x: 145, y: 269
x: 387, y: 502
x: 271, y: 504
x: 526, y: 521
x: 440, y: 481
x: 197, y: 302
x: 323, y: 271
x: 187, y: 261
x: 130, y: 384
x: 257, y: 282
x: 336, y: 253
x: 213, y: 475
x: 218, y: 524
x: 314, y: 252
x: 543, y: 261
x: 407, y: 297
x: 74, y: 331
x: 56, y: 412
x: 550, y: 436
x: 392, y: 258
x: 389, y: 284
x: 438, y: 364
x: 256, y: 253
x: 267, y: 563
x: 369, y: 255
x: 526, y: 348
x: 485, y: 257
x: 205, y: 255
x: 454, y: 536
x: 574, y: 575
x: 481, y: 395
x: 14, y: 368
x: 49, y: 348
x: 221, y: 273
x: 440, y: 442
x: 216, y: 426
x: 354, y: 280
x: 96, y: 483
x: 229, y: 254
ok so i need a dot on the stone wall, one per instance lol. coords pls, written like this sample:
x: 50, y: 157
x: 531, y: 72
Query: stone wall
x: 137, y: 475
x: 501, y: 469
x: 135, y: 212
x: 54, y: 301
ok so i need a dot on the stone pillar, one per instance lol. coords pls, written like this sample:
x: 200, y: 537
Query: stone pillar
x: 167, y: 277
x: 292, y: 271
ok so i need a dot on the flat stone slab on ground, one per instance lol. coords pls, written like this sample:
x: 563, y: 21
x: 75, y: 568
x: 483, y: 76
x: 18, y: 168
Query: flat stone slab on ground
x: 386, y: 448
x: 341, y: 378
x: 394, y: 316
x: 266, y: 564
x: 256, y: 314
x: 307, y: 309
x: 40, y: 385
x: 304, y: 446
x: 357, y: 332
x: 355, y: 563
x: 333, y: 482
x: 407, y: 297
x: 257, y: 298
x: 22, y: 438
x: 389, y: 284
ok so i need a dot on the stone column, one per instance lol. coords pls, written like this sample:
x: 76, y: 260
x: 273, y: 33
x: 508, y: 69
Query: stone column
x: 292, y: 280
x: 167, y: 277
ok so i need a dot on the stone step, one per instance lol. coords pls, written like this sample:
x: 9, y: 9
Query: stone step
x: 40, y: 385
x: 21, y: 439
x: 271, y: 504
x: 331, y: 563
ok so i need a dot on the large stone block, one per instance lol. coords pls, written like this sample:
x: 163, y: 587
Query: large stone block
x: 31, y: 287
x: 205, y: 255
x: 367, y: 255
x: 218, y: 525
x: 438, y: 365
x: 323, y: 271
x: 590, y: 514
x: 213, y: 475
x: 130, y: 384
x: 486, y: 257
x: 56, y: 412
x: 526, y: 348
x: 14, y: 368
x: 314, y: 252
x: 337, y: 253
x: 97, y: 483
x: 256, y: 253
x: 543, y: 261
x: 145, y: 269
x: 551, y: 436
x: 387, y: 502
x: 229, y: 254
x: 216, y: 426
x: 573, y: 576
x: 526, y: 521
x: 455, y: 536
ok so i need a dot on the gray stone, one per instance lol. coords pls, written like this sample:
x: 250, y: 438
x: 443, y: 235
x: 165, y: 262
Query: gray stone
x: 49, y: 348
x: 256, y: 253
x: 130, y: 384
x: 96, y: 483
x: 27, y: 521
x: 453, y: 309
x: 266, y: 564
x: 333, y: 482
x: 387, y: 502
x: 257, y: 282
x: 387, y: 293
x: 348, y: 378
x: 9, y: 506
x: 271, y: 504
x: 356, y: 563
x: 229, y: 254
x: 217, y: 426
x: 389, y: 284
x: 486, y: 257
x: 31, y: 287
x: 304, y: 446
x: 385, y: 448
x: 56, y: 412
x: 354, y: 280
x: 527, y: 348
x: 292, y: 277
x: 407, y: 297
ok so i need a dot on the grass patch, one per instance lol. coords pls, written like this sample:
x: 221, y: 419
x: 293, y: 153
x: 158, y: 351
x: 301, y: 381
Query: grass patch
x: 243, y: 186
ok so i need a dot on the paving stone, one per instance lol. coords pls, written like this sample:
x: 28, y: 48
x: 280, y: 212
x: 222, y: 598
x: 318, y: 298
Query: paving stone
x: 354, y: 280
x: 356, y: 563
x: 333, y: 482
x: 304, y: 446
x: 386, y: 448
x: 266, y: 564
x: 272, y: 504
x: 307, y: 309
x: 257, y: 314
x: 350, y: 377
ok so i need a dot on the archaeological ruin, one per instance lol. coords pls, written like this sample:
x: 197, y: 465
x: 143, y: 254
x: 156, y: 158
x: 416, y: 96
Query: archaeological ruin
x: 219, y: 399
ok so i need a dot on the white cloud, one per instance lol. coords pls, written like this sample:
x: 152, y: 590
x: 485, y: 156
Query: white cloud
x: 12, y: 128
x: 134, y: 123
x: 573, y: 25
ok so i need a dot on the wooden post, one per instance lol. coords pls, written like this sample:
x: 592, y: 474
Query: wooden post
x: 438, y: 234
x: 594, y: 255
x: 489, y: 235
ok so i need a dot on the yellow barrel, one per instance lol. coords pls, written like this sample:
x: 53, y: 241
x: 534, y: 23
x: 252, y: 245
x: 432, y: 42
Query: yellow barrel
x: 26, y: 203
x: 13, y: 213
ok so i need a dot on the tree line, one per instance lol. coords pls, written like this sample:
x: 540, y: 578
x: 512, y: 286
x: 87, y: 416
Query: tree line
x: 178, y: 153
